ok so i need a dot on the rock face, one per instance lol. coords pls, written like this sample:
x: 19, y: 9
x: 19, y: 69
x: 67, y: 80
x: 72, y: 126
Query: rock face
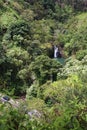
x: 4, y: 99
x: 34, y: 114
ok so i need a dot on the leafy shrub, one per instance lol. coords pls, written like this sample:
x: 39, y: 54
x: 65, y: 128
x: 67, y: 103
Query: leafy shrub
x: 73, y: 66
x: 45, y: 68
x: 80, y: 54
x: 1, y: 3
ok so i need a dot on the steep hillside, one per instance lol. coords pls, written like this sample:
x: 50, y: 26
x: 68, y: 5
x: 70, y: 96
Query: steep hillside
x: 43, y: 60
x: 75, y: 35
x: 29, y: 29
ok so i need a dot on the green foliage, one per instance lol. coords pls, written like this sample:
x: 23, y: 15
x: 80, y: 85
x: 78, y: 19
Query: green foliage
x: 32, y: 91
x: 76, y: 34
x: 71, y: 66
x: 63, y: 13
x: 66, y: 102
x: 42, y: 30
x: 81, y: 54
x: 29, y: 29
x: 14, y: 119
x: 8, y: 18
x: 45, y: 68
x: 28, y: 15
x: 9, y: 118
x: 1, y: 3
x: 74, y: 66
x: 17, y: 56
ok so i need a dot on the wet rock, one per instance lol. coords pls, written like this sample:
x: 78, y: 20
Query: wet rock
x: 34, y: 114
x: 6, y: 98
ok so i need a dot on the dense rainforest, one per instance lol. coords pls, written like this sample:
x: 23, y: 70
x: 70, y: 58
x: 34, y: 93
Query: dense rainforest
x: 50, y: 92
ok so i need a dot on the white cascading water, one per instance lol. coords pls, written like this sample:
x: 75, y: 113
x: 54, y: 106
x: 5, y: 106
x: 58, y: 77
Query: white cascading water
x: 55, y: 51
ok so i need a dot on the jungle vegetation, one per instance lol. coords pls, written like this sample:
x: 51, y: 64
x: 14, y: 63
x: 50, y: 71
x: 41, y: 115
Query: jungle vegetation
x: 29, y: 29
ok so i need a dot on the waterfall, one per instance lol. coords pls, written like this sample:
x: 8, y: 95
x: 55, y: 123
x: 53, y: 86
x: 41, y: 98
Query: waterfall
x: 55, y: 51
